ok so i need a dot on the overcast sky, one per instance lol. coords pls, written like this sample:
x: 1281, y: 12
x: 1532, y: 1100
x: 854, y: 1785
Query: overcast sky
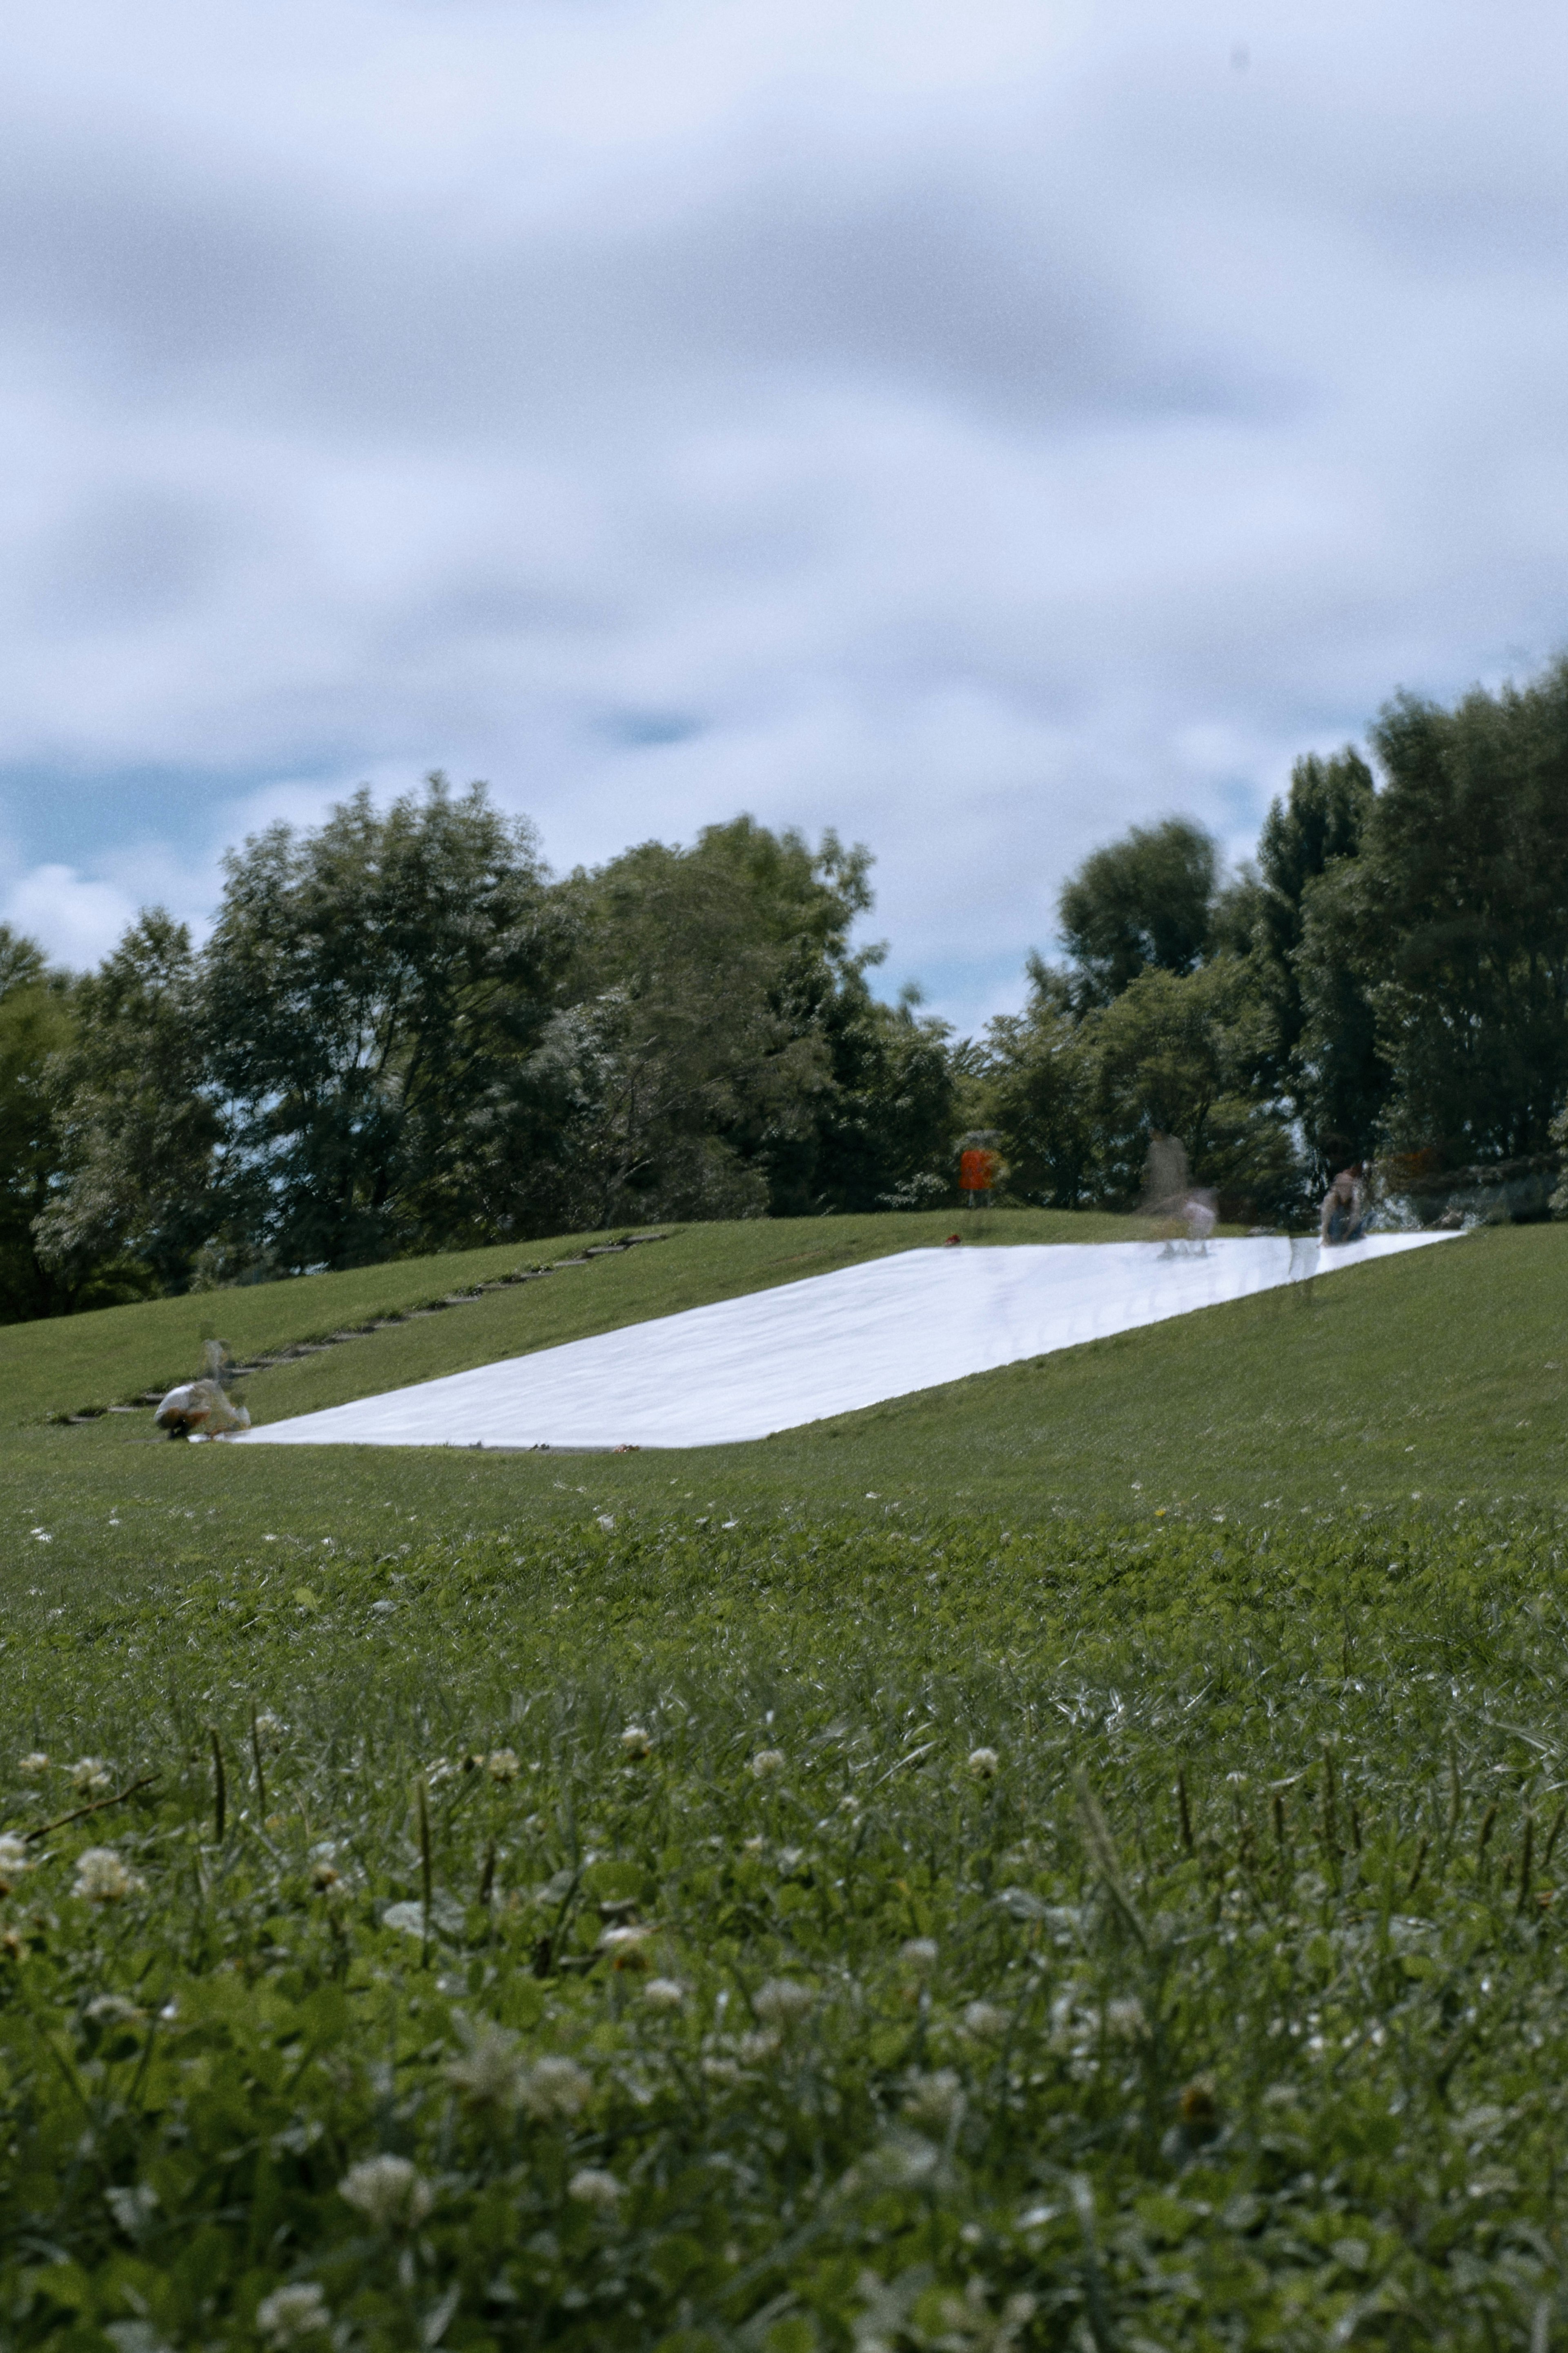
x: 975, y: 426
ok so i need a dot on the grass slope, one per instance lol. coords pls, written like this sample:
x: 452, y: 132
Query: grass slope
x: 80, y: 1364
x: 1433, y: 1377
x: 1221, y: 2000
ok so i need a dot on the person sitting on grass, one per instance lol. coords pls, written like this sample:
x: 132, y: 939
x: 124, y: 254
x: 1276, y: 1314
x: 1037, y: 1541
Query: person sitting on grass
x: 1345, y: 1210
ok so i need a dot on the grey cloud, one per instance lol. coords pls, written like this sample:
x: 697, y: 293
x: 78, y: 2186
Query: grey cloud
x: 135, y: 554
x: 978, y: 464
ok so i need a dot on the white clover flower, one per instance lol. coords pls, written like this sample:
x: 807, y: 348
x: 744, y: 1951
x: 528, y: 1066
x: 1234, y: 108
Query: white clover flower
x: 102, y: 1878
x: 13, y: 1860
x: 388, y: 2191
x: 983, y: 1764
x: 1126, y: 2019
x: 592, y: 2186
x: 132, y: 2209
x: 325, y: 1875
x: 766, y: 1762
x: 488, y: 2074
x: 556, y: 2087
x: 919, y: 1953
x: 501, y: 1765
x: 636, y: 1740
x: 112, y: 2009
x: 984, y: 2021
x: 782, y: 1999
x: 290, y: 2313
x: 663, y: 1993
x: 935, y: 2100
x: 90, y: 1774
x: 754, y: 2048
x: 273, y: 1726
x: 34, y: 1766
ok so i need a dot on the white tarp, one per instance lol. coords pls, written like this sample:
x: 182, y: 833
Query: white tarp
x: 832, y: 1344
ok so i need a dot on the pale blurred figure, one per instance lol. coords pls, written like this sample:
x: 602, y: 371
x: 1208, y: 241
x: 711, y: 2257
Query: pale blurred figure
x: 200, y: 1408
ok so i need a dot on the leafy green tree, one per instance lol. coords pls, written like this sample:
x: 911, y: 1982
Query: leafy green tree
x: 1041, y: 1085
x: 141, y: 1138
x: 34, y: 1027
x: 376, y: 994
x: 718, y: 1027
x: 1460, y: 918
x: 1143, y: 902
x: 1321, y: 1057
x: 886, y: 1130
x: 1174, y: 1054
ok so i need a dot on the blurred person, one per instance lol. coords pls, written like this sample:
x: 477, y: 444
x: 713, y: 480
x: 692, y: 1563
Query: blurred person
x: 1343, y: 1216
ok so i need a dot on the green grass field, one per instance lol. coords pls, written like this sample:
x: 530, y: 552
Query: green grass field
x: 1432, y: 1378
x: 1074, y: 1861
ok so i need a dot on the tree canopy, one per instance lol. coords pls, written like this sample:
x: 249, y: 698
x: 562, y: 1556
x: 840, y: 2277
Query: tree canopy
x: 405, y: 1034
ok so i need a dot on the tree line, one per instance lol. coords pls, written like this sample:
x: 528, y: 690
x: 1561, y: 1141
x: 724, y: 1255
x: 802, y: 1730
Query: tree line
x: 404, y: 1035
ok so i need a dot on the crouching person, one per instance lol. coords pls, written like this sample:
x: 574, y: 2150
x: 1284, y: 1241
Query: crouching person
x: 200, y: 1408
x: 1344, y: 1210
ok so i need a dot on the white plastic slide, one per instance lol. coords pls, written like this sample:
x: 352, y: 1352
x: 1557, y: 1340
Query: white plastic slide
x: 832, y: 1344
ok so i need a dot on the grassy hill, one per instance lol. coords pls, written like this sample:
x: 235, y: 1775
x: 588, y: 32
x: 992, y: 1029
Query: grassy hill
x: 1434, y: 1378
x: 1070, y: 1861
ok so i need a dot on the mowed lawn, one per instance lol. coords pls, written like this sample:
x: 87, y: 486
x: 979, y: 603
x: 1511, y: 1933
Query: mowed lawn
x: 1434, y: 1380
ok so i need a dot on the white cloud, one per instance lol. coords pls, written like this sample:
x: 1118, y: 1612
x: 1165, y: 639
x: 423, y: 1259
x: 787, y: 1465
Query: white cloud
x: 76, y: 920
x: 977, y: 428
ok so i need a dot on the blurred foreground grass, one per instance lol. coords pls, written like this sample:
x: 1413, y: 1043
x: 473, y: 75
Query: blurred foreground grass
x: 926, y: 1937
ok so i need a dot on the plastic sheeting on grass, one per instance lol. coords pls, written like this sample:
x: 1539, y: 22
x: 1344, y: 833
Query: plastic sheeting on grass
x: 830, y: 1345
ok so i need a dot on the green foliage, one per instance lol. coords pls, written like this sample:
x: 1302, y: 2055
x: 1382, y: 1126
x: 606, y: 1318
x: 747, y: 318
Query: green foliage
x: 139, y: 1139
x: 807, y: 1938
x: 374, y: 991
x: 1459, y: 922
x: 1322, y: 1056
x: 1077, y: 1097
x: 35, y: 1027
x: 721, y: 1055
x: 1143, y: 902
